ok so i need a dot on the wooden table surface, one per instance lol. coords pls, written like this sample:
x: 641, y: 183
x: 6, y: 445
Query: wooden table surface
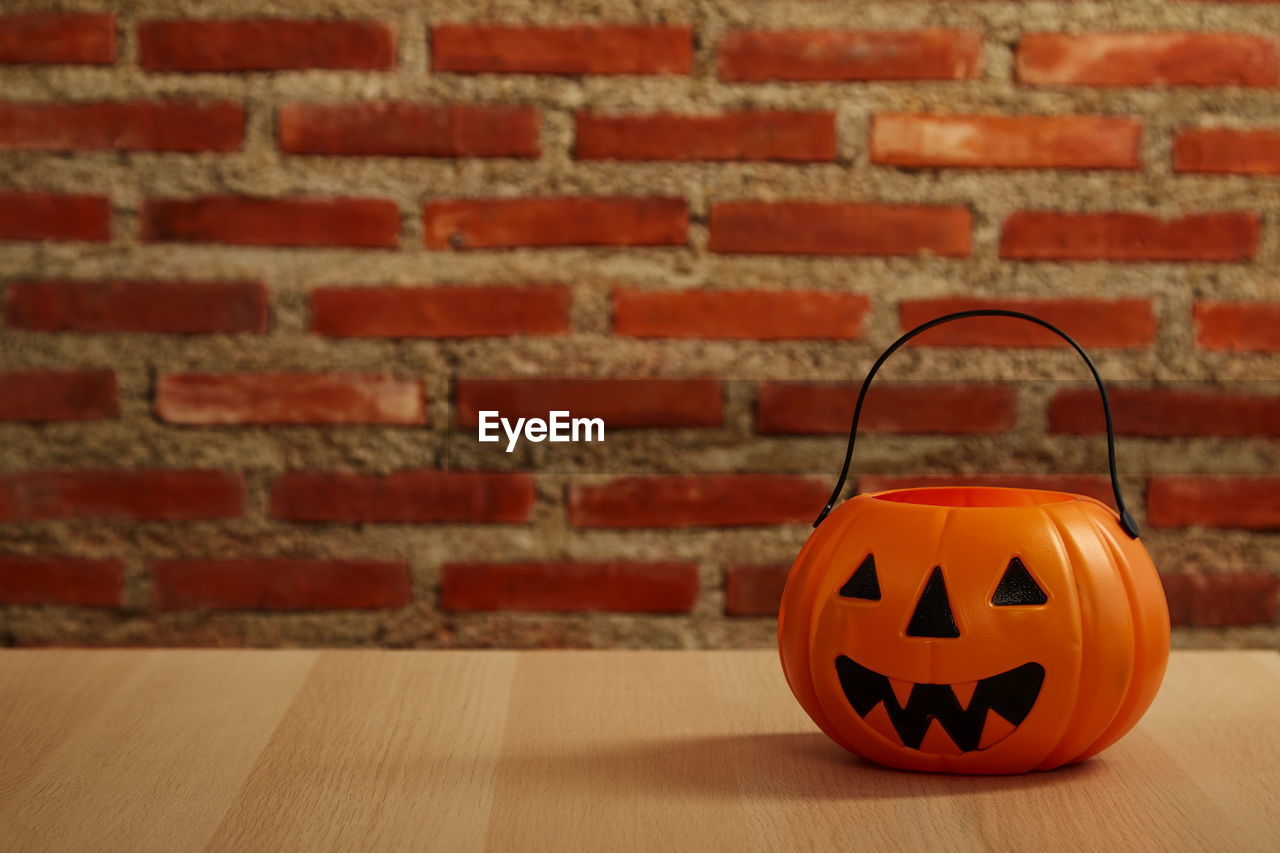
x: 454, y: 751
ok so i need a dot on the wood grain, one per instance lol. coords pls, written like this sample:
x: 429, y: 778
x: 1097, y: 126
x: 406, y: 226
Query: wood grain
x: 155, y: 765
x: 456, y: 751
x: 381, y: 750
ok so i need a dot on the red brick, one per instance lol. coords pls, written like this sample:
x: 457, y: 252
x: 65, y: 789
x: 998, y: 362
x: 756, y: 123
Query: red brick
x: 698, y: 500
x: 1166, y: 413
x: 562, y: 50
x: 279, y: 584
x: 749, y: 135
x: 1246, y: 502
x: 851, y: 55
x: 1147, y: 59
x: 1221, y: 599
x: 1006, y: 142
x: 289, y: 398
x: 811, y: 408
x: 148, y: 495
x: 174, y: 307
x: 1128, y: 323
x: 622, y: 403
x: 754, y: 590
x: 570, y: 586
x: 264, y: 45
x: 354, y: 222
x: 1240, y: 326
x: 122, y: 126
x: 49, y: 216
x: 50, y: 37
x: 441, y: 312
x: 503, y: 223
x: 838, y: 228
x: 57, y: 395
x: 68, y: 581
x: 1090, y: 485
x: 403, y: 497
x: 1225, y: 150
x: 399, y: 129
x: 739, y: 314
x: 1035, y: 235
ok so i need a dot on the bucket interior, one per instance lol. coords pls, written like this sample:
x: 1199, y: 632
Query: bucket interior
x: 975, y: 496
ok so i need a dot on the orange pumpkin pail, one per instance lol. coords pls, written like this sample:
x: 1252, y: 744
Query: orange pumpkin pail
x: 972, y: 629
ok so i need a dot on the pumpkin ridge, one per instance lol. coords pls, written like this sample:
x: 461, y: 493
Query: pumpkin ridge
x: 1064, y: 535
x: 948, y: 518
x: 1118, y: 559
x: 1131, y: 706
x: 807, y: 610
x: 1050, y: 521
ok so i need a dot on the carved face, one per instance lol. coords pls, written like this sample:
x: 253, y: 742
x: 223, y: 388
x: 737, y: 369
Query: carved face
x: 973, y: 630
x: 954, y: 717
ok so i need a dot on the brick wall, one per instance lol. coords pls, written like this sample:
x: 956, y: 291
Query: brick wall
x: 262, y: 268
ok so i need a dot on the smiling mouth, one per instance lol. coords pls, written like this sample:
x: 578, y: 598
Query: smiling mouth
x: 970, y: 716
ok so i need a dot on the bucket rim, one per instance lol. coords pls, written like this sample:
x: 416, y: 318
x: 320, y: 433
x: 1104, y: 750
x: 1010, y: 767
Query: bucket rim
x: 975, y: 497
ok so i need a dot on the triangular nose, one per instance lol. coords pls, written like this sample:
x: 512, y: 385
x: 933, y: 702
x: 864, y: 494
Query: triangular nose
x: 933, y: 612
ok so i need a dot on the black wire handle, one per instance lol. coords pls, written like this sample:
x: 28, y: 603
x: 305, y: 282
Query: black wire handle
x: 1126, y: 520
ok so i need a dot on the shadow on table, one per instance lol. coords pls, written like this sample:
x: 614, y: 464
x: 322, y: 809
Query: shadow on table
x: 781, y: 765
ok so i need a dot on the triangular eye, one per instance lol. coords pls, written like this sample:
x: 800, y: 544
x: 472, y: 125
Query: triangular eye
x: 1017, y: 587
x: 863, y: 582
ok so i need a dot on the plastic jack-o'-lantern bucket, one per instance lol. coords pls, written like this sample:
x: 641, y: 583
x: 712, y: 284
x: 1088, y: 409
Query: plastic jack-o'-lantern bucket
x: 974, y: 629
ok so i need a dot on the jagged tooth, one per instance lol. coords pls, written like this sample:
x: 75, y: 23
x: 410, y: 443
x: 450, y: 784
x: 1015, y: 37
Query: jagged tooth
x: 964, y: 692
x: 995, y: 729
x: 878, y: 719
x: 938, y: 742
x: 902, y: 690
